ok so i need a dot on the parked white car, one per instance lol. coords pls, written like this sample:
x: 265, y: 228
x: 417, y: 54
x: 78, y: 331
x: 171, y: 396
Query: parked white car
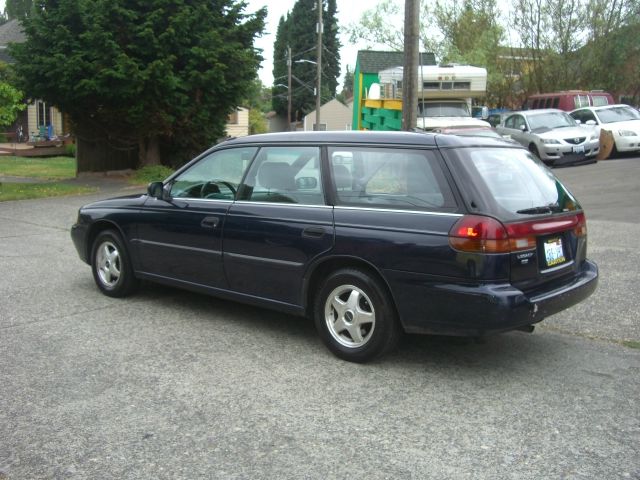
x: 622, y: 121
x: 552, y: 135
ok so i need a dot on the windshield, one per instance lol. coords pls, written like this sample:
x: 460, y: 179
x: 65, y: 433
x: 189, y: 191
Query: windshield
x: 443, y: 109
x: 617, y: 114
x: 551, y: 120
x: 516, y: 181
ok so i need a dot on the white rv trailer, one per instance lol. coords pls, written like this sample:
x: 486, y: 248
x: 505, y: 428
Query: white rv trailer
x: 445, y: 93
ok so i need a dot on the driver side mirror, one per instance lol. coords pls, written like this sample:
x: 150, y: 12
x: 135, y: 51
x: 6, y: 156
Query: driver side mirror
x: 156, y: 190
x: 523, y: 128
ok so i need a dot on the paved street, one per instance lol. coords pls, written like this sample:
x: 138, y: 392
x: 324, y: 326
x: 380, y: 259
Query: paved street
x: 173, y: 385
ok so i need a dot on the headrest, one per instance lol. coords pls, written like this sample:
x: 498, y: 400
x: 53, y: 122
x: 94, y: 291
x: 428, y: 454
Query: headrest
x: 276, y: 176
x: 342, y: 176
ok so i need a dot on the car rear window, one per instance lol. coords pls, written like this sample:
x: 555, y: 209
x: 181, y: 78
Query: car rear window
x: 515, y: 181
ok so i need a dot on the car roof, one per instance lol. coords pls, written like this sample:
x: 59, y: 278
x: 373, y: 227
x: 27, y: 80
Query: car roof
x: 603, y: 107
x: 348, y: 136
x: 355, y: 137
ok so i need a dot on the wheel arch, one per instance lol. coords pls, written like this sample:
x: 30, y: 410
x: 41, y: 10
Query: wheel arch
x: 326, y: 266
x: 95, y: 230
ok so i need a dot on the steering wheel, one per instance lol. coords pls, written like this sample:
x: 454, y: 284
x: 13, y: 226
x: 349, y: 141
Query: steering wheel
x: 211, y: 188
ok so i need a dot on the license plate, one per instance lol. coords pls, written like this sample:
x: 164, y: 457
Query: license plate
x: 553, y: 252
x: 578, y: 149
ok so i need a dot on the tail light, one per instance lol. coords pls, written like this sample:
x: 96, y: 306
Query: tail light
x: 480, y: 234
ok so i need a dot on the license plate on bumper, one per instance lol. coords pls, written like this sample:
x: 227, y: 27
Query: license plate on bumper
x: 554, y: 252
x: 578, y: 149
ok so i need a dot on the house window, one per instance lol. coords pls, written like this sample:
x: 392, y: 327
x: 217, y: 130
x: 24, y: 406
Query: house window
x: 233, y: 117
x: 43, y: 113
x: 323, y: 127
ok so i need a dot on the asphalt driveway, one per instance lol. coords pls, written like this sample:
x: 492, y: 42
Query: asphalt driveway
x: 173, y: 385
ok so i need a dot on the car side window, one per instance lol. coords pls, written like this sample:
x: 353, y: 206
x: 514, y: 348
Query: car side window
x: 510, y: 122
x: 389, y: 178
x: 289, y: 174
x: 216, y: 176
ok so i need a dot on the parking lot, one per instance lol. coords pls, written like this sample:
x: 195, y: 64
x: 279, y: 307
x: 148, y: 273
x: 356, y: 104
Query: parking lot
x: 173, y: 385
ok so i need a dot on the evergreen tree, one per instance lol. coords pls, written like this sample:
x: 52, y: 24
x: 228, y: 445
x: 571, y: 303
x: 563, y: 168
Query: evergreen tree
x: 331, y: 53
x: 156, y: 74
x: 18, y: 9
x: 298, y: 30
x: 280, y: 71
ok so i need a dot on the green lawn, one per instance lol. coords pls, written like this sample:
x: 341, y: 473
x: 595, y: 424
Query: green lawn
x: 24, y: 191
x: 54, y: 168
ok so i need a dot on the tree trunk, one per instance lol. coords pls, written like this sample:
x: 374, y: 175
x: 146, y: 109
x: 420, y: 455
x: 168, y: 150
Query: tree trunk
x: 149, y: 151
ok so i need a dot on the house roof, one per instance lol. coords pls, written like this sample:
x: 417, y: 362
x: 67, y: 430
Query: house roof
x: 10, y: 32
x: 373, y: 61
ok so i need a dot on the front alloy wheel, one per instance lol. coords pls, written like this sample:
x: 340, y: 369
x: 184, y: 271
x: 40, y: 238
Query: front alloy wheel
x: 111, y: 266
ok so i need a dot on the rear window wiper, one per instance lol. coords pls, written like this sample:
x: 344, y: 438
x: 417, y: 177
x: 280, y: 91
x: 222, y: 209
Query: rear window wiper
x: 553, y: 207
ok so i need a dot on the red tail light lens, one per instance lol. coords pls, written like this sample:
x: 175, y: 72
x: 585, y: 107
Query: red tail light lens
x: 474, y: 233
x: 479, y: 234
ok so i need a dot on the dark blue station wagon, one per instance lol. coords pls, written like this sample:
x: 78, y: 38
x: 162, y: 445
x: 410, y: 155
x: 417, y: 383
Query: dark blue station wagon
x: 369, y: 233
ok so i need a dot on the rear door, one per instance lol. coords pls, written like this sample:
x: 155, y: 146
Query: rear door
x: 279, y: 224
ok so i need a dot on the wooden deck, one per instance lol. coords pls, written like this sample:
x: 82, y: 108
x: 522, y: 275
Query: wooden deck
x: 36, y: 149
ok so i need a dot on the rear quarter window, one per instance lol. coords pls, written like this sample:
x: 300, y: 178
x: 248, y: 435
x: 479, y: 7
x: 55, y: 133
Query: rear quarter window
x: 390, y: 178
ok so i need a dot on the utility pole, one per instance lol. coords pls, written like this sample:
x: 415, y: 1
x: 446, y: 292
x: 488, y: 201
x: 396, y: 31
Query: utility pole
x: 410, y: 69
x: 289, y: 89
x: 319, y: 27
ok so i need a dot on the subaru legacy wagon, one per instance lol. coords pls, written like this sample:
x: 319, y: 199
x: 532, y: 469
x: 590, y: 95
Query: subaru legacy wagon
x: 371, y: 234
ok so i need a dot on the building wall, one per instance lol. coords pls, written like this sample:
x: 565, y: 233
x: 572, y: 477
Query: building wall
x: 32, y: 120
x: 333, y: 114
x: 238, y: 125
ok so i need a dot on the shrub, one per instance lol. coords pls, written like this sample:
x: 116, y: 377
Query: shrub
x: 151, y: 173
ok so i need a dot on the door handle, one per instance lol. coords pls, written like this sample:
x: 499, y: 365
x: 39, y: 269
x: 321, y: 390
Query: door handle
x: 209, y: 222
x: 313, y: 232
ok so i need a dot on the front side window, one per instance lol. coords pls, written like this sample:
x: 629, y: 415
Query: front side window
x: 215, y: 176
x: 389, y: 178
x: 284, y: 175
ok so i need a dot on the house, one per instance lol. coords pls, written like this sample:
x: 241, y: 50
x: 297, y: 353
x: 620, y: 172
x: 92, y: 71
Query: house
x: 238, y: 123
x: 334, y: 115
x: 38, y: 115
x: 368, y: 64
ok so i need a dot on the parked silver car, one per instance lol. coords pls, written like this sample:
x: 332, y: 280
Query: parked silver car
x: 552, y: 135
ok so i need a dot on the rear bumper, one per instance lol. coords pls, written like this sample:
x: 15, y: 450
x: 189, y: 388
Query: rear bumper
x: 425, y: 306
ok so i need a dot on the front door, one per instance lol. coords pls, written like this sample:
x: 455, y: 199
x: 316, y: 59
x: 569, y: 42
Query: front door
x: 181, y: 239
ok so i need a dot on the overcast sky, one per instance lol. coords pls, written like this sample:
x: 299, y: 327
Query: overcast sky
x: 348, y: 12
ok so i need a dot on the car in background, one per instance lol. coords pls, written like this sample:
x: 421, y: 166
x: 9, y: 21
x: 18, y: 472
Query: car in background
x: 622, y: 121
x: 568, y: 100
x: 368, y: 233
x: 474, y: 131
x: 553, y: 136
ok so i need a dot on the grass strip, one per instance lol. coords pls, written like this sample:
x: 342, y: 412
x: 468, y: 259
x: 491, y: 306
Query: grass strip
x: 25, y: 191
x: 54, y: 168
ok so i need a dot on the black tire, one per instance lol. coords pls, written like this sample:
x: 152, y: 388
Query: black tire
x: 111, y: 265
x: 366, y: 327
x: 534, y: 150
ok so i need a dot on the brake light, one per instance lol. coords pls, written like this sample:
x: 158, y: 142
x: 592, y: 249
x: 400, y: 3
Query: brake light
x: 475, y: 233
x: 480, y: 234
x: 581, y: 227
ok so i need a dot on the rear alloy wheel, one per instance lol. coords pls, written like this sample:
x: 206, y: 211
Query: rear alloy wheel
x: 355, y: 316
x: 110, y: 265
